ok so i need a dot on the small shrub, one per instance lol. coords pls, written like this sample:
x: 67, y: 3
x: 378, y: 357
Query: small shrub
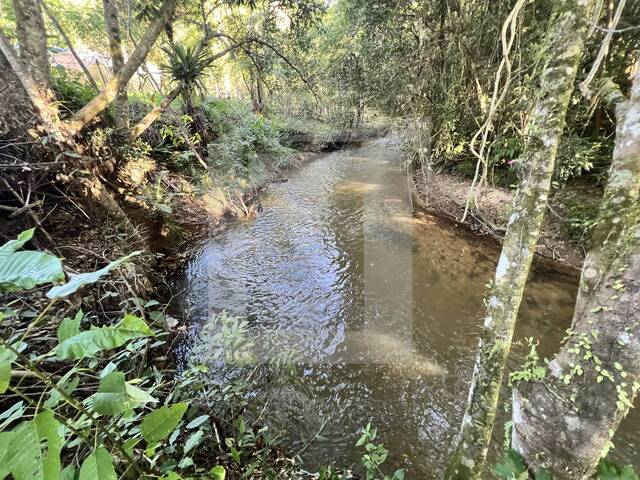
x: 71, y: 91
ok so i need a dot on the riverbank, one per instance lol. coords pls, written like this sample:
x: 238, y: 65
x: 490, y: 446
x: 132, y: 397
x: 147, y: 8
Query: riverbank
x: 446, y: 195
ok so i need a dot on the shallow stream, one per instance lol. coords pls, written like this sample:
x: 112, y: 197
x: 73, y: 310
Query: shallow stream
x: 383, y: 308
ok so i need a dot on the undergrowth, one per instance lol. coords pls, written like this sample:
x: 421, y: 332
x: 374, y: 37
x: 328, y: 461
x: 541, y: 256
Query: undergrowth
x: 90, y: 389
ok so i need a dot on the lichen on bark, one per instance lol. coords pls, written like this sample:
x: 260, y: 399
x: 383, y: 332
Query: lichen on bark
x: 567, y: 35
x: 567, y: 420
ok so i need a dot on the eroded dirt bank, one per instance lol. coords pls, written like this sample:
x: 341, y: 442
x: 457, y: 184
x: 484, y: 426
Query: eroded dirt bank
x: 446, y: 195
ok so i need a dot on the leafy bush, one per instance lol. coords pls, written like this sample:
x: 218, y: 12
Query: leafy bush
x: 580, y: 155
x: 579, y: 221
x: 70, y: 89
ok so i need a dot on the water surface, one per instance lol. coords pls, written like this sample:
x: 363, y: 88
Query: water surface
x: 382, y: 307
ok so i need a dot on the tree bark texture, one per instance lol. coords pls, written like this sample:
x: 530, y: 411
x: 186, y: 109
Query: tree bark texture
x: 24, y: 103
x: 567, y: 36
x: 117, y: 61
x: 565, y: 422
x: 32, y: 41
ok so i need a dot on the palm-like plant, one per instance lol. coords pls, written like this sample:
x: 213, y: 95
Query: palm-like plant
x: 187, y: 67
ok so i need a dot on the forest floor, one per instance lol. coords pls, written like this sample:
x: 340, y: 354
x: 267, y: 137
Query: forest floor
x: 446, y: 195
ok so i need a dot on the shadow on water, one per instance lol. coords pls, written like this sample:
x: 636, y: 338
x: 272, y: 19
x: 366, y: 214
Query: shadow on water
x: 383, y: 307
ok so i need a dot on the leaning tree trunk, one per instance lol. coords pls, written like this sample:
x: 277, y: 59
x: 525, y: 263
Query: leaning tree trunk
x: 32, y: 40
x: 530, y: 203
x: 565, y: 422
x: 122, y: 77
x: 24, y: 98
x: 117, y: 61
x: 24, y: 109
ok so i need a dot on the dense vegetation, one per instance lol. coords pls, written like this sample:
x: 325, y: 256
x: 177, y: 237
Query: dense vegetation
x: 130, y: 127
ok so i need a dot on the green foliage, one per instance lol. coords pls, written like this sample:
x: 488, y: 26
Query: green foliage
x: 375, y: 455
x: 89, y: 342
x: 77, y: 281
x: 531, y: 370
x: 26, y: 269
x: 157, y: 425
x: 578, y: 155
x: 246, y: 143
x: 512, y: 467
x: 608, y: 470
x: 98, y: 466
x: 71, y: 91
x: 187, y: 66
x: 580, y: 218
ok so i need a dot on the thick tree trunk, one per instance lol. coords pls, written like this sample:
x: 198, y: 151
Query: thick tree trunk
x: 29, y: 98
x: 120, y: 79
x: 565, y: 422
x: 32, y: 40
x: 530, y: 203
x: 117, y: 60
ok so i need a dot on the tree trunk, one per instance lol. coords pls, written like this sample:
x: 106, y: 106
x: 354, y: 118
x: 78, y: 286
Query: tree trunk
x: 120, y: 79
x: 154, y: 114
x: 45, y: 114
x: 32, y: 40
x: 565, y: 422
x: 117, y: 61
x: 543, y: 134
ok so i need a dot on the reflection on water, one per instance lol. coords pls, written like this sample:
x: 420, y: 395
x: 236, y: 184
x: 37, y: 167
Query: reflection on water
x: 383, y: 308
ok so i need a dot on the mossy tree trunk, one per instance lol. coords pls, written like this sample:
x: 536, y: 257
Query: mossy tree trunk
x: 565, y: 422
x: 83, y: 116
x: 566, y: 37
x: 32, y: 40
x: 117, y: 61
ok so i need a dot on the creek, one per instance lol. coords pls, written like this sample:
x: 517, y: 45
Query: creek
x: 381, y: 308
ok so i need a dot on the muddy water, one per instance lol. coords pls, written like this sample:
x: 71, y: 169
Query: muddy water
x: 383, y: 309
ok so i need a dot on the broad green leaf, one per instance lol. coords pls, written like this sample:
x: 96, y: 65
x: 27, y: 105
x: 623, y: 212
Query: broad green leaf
x: 111, y: 397
x: 138, y: 396
x: 6, y: 439
x: 15, y: 245
x: 90, y: 342
x: 193, y: 441
x: 34, y: 452
x: 98, y: 466
x: 115, y: 395
x: 82, y: 279
x: 25, y: 270
x: 6, y: 357
x: 161, y: 422
x: 69, y: 327
x: 68, y: 473
x: 218, y: 472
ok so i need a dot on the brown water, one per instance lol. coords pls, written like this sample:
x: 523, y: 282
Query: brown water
x: 383, y: 309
